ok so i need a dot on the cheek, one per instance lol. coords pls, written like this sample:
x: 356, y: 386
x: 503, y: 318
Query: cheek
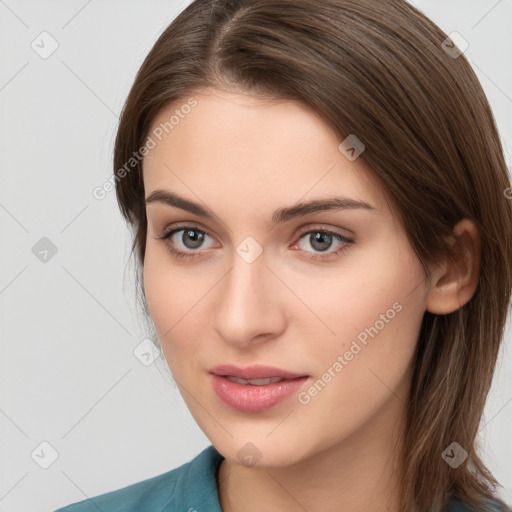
x: 175, y: 296
x: 356, y: 379
x: 371, y: 313
x: 367, y: 290
x: 376, y: 316
x: 160, y: 297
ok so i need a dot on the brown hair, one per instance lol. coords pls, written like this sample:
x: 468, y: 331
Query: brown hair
x: 376, y: 69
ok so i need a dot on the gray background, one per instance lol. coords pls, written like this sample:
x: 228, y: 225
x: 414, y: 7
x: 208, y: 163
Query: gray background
x: 69, y: 325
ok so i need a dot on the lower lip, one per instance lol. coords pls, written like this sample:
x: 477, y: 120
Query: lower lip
x: 249, y: 398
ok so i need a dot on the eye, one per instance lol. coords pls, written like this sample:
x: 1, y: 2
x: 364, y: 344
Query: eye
x: 191, y: 238
x: 322, y: 240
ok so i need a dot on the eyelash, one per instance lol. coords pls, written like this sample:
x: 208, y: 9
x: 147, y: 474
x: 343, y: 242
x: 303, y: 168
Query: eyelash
x: 194, y: 254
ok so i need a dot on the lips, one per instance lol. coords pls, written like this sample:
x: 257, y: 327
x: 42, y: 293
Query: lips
x: 254, y: 388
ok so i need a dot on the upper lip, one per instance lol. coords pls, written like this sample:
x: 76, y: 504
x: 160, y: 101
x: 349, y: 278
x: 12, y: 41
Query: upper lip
x: 253, y: 372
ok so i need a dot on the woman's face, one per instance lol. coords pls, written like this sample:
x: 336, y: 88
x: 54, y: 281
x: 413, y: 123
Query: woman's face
x: 334, y: 296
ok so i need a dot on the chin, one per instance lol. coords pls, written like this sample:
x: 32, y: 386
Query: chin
x: 262, y: 453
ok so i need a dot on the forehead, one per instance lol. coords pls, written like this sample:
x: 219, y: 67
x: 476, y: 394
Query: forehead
x: 251, y: 147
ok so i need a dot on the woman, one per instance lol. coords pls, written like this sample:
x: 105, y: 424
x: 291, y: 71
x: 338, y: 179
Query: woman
x: 317, y: 195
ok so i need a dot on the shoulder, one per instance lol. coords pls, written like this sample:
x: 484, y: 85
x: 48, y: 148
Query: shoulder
x: 191, y: 483
x: 495, y: 505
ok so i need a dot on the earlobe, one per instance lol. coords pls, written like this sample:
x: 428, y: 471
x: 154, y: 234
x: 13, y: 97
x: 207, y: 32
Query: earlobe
x: 454, y: 281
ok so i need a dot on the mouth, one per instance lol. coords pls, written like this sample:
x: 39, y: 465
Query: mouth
x: 255, y: 372
x: 253, y: 382
x: 255, y: 388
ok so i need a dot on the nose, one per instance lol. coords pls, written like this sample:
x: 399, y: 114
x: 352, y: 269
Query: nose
x: 249, y: 310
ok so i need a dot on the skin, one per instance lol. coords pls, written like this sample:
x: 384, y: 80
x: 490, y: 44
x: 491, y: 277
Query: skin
x: 244, y: 157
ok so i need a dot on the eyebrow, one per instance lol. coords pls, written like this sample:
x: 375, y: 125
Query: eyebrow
x: 279, y: 216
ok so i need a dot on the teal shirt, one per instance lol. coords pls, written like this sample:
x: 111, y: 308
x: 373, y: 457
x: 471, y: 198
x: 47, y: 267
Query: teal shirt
x: 191, y: 487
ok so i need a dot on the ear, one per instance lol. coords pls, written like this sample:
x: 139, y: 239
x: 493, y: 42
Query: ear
x: 454, y: 282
